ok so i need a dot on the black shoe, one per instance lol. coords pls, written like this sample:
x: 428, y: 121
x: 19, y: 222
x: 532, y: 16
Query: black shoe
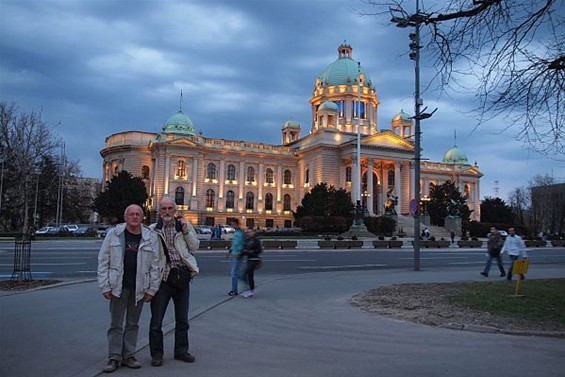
x: 502, y: 274
x: 232, y: 293
x: 186, y: 357
x: 484, y: 274
x: 156, y: 361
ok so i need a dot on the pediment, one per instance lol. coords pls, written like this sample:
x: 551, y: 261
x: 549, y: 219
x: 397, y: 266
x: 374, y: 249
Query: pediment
x: 387, y: 139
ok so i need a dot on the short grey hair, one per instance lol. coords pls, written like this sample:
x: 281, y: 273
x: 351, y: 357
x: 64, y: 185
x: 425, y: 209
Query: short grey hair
x: 168, y: 198
x: 130, y: 207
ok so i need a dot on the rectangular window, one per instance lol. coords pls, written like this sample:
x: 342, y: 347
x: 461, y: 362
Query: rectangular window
x: 269, y: 223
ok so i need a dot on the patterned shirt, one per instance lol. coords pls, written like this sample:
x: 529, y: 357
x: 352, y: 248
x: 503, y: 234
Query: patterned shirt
x: 169, y: 232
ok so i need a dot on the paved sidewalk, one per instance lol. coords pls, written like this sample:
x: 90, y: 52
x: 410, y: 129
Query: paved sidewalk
x: 296, y: 326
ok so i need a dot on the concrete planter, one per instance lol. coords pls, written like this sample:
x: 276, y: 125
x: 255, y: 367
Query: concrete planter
x: 340, y: 244
x: 380, y: 244
x: 396, y: 244
x: 470, y: 243
x: 557, y: 243
x: 279, y: 244
x: 535, y: 243
x: 433, y: 244
x: 215, y: 244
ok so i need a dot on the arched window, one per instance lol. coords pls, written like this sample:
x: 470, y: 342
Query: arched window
x: 230, y: 199
x: 287, y: 177
x: 211, y: 171
x: 391, y: 177
x: 467, y: 191
x: 145, y: 172
x: 348, y: 174
x: 179, y: 196
x: 307, y: 176
x: 286, y: 203
x: 210, y: 198
x: 181, y: 169
x: 250, y: 174
x: 268, y: 202
x: 249, y: 200
x: 269, y: 176
x: 116, y: 170
x: 231, y: 172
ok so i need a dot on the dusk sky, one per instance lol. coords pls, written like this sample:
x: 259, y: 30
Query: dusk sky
x: 98, y: 67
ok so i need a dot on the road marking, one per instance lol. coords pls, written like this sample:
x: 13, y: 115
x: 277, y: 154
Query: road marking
x: 437, y: 258
x: 341, y: 267
x: 47, y: 264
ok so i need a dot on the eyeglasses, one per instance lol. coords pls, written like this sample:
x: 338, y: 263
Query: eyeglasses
x: 134, y: 214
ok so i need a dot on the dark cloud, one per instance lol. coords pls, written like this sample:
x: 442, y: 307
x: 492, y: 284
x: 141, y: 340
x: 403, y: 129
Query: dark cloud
x: 245, y: 67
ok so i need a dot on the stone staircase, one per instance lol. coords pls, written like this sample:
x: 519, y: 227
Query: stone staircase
x: 407, y: 225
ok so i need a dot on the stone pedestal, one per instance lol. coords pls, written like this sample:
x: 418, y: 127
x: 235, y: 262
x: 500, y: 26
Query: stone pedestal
x: 453, y: 223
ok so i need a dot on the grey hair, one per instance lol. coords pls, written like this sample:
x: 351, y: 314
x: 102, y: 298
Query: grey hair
x: 168, y: 198
x: 130, y: 207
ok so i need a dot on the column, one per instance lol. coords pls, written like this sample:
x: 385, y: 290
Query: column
x: 278, y: 184
x: 194, y: 175
x: 260, y: 182
x: 370, y: 185
x: 167, y: 173
x: 221, y: 179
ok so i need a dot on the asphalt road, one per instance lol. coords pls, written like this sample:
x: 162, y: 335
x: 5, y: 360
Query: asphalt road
x: 77, y: 259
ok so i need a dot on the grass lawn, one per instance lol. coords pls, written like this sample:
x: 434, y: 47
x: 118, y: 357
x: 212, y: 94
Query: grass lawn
x: 541, y: 300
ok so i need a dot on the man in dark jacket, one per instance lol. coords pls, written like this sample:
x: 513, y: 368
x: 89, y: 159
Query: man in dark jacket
x: 494, y: 245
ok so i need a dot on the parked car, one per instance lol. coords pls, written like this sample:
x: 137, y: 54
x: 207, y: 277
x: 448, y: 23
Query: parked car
x: 103, y: 230
x: 227, y: 229
x: 71, y: 227
x: 46, y: 229
x: 203, y: 229
x: 84, y: 231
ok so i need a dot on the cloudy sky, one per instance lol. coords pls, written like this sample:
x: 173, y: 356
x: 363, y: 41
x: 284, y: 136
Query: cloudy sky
x: 97, y: 67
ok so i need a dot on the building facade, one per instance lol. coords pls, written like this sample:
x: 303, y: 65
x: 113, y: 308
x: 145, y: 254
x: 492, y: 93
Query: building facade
x: 213, y: 180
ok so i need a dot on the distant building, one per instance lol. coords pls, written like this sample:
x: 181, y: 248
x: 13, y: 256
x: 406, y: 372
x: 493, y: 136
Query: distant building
x: 213, y: 180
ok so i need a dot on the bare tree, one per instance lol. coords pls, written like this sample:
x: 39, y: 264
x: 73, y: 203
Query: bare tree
x: 25, y: 142
x: 512, y: 52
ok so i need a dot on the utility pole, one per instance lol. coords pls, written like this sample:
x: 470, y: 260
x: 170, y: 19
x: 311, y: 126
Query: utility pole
x: 402, y: 21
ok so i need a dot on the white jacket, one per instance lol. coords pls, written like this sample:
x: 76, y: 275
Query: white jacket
x: 111, y: 263
x: 185, y: 244
x: 515, y: 246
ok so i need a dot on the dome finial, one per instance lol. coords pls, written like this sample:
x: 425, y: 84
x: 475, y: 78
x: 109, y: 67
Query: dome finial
x: 455, y: 137
x: 180, y: 105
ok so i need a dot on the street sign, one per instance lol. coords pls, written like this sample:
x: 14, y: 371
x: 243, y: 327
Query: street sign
x: 414, y: 207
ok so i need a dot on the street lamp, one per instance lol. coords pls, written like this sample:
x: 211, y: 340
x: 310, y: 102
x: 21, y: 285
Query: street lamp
x: 1, y: 183
x: 415, y: 20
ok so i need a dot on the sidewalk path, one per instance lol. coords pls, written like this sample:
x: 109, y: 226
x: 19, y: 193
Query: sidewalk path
x: 297, y: 326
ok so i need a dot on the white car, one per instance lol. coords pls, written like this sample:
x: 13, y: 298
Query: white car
x: 71, y: 227
x: 227, y: 229
x: 46, y: 229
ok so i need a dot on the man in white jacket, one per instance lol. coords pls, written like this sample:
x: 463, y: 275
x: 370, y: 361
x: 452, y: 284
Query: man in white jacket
x: 128, y: 275
x: 516, y: 248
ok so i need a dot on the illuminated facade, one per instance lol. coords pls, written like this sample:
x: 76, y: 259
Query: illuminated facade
x: 213, y: 180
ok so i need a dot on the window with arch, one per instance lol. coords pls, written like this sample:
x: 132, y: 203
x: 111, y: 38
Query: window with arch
x: 230, y: 199
x: 250, y: 174
x: 249, y: 200
x: 467, y: 191
x: 210, y: 198
x: 287, y: 177
x: 211, y: 171
x: 307, y: 176
x: 348, y: 174
x: 231, y: 172
x: 181, y: 169
x: 268, y: 202
x: 286, y: 202
x: 116, y: 170
x: 145, y: 172
x: 269, y: 176
x: 179, y: 196
x: 391, y: 177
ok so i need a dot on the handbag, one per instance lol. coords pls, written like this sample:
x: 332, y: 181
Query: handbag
x: 179, y: 277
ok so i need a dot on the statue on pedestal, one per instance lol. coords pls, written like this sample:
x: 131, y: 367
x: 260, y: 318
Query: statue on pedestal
x: 391, y: 203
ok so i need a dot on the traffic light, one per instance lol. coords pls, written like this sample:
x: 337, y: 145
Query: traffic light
x: 413, y: 46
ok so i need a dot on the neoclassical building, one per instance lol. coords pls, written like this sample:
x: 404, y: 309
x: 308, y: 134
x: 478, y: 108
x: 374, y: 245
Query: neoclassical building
x: 213, y: 180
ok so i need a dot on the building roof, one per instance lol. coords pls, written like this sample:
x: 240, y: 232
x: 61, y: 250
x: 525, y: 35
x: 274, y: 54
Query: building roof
x: 344, y: 70
x: 455, y: 156
x: 179, y: 123
x: 401, y: 116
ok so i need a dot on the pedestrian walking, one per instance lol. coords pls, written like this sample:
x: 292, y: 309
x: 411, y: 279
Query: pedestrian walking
x: 516, y: 249
x: 252, y: 251
x: 494, y: 246
x: 177, y: 241
x: 452, y: 235
x: 128, y: 275
x: 235, y: 255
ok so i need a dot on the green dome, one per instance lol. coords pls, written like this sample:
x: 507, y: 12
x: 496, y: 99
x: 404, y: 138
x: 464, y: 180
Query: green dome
x: 179, y: 123
x: 344, y: 70
x: 401, y: 116
x: 455, y: 156
x: 328, y: 105
x: 291, y: 123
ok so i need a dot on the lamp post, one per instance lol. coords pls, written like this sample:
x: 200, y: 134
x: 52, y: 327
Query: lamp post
x: 1, y: 183
x: 358, y: 172
x: 415, y: 20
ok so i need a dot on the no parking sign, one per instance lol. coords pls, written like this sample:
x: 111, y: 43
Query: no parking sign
x: 414, y: 208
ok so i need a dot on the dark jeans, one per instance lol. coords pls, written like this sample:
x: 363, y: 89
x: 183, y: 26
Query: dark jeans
x: 158, y: 309
x: 498, y: 261
x: 249, y: 273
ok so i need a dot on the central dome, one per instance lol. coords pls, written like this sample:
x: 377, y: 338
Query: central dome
x: 455, y: 156
x: 179, y: 123
x: 344, y: 70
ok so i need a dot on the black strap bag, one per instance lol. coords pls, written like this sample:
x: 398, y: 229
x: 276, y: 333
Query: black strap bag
x: 179, y: 277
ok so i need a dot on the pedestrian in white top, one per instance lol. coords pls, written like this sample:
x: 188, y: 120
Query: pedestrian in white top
x: 516, y: 249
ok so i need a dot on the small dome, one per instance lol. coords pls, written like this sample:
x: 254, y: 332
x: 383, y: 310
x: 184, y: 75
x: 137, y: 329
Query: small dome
x: 291, y: 123
x: 344, y: 70
x: 328, y: 105
x: 455, y: 156
x: 401, y: 116
x: 179, y: 123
